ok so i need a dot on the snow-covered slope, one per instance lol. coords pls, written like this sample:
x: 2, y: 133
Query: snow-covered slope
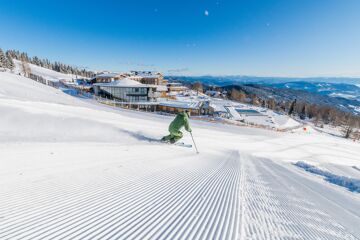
x: 74, y: 169
x: 44, y: 72
x: 16, y: 87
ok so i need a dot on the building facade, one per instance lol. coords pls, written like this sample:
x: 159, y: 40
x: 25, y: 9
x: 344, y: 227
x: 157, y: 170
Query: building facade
x: 126, y: 90
x: 147, y: 77
x: 107, y: 77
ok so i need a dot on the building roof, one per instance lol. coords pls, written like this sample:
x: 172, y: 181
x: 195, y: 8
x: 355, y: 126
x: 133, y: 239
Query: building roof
x: 126, y: 82
x: 218, y: 107
x: 182, y: 104
x: 174, y: 84
x: 145, y: 74
x: 107, y: 75
x: 178, y: 88
x: 161, y: 88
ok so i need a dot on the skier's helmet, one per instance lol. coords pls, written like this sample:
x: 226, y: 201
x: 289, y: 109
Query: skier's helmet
x: 187, y: 112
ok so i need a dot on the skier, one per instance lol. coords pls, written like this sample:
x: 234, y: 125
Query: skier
x: 181, y: 120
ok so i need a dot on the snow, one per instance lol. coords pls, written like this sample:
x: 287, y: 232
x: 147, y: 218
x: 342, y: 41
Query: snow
x: 108, y: 75
x: 123, y: 83
x: 343, y: 95
x: 349, y: 183
x: 263, y: 117
x: 161, y: 88
x: 356, y: 109
x: 218, y: 107
x: 45, y: 73
x: 75, y: 169
x: 20, y: 88
x: 233, y: 113
x: 181, y: 104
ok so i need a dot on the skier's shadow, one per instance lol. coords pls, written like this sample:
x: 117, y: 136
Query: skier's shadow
x: 140, y: 136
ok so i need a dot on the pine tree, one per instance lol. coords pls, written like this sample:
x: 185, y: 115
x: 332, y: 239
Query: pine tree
x: 10, y: 62
x: 303, y: 113
x: 25, y: 68
x: 3, y: 60
x: 45, y: 63
x: 271, y: 103
x: 292, y: 107
x: 263, y: 104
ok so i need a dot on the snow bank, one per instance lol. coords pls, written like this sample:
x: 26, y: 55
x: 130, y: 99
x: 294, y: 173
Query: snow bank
x: 287, y: 123
x: 349, y: 183
x: 306, y: 129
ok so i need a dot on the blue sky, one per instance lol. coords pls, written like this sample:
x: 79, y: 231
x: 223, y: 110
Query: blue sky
x: 190, y: 37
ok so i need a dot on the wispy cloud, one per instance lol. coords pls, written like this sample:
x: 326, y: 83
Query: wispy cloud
x: 177, y: 71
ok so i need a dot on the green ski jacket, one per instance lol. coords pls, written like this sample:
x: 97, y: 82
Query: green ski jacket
x: 181, y: 120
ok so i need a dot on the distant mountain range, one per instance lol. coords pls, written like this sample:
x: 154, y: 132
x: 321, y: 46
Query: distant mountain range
x: 341, y: 90
x: 231, y: 80
x: 343, y: 93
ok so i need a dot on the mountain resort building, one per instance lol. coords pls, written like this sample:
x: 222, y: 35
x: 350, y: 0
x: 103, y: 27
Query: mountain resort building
x: 127, y: 90
x: 107, y: 77
x: 147, y: 77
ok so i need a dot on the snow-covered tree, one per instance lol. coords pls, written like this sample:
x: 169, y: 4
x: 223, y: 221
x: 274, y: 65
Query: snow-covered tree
x: 45, y: 63
x: 10, y: 61
x: 3, y: 60
x: 25, y: 68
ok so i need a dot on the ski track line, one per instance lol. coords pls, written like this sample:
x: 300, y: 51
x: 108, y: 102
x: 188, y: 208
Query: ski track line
x: 177, y: 198
x: 274, y: 206
x: 70, y: 191
x: 102, y: 211
x: 91, y: 205
x: 75, y: 202
x: 228, y: 196
x: 79, y: 215
x: 147, y: 207
x: 345, y: 208
x: 133, y: 228
x: 17, y: 193
x: 188, y: 217
x: 141, y: 206
x: 181, y: 199
x: 35, y: 201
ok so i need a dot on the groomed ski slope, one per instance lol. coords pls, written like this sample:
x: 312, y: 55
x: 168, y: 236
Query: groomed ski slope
x: 74, y: 169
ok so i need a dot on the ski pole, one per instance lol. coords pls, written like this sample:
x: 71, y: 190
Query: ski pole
x: 194, y: 143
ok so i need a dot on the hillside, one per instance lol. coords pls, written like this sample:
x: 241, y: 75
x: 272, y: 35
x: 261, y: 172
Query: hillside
x: 289, y: 94
x: 342, y: 93
x: 43, y: 72
x: 75, y: 169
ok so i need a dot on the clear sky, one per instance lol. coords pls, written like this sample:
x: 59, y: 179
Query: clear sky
x: 190, y: 37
